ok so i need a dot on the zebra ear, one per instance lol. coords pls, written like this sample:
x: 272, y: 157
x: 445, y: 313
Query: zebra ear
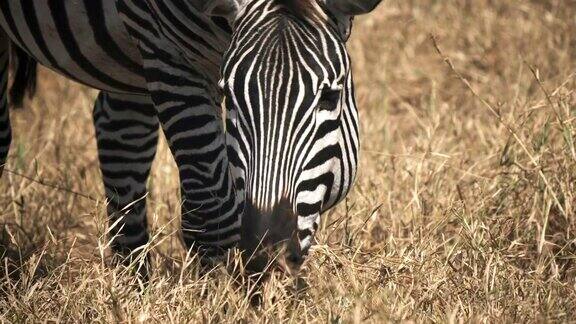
x: 352, y: 7
x: 345, y: 10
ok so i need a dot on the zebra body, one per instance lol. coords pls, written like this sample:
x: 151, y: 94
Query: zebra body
x: 94, y: 49
x: 291, y: 147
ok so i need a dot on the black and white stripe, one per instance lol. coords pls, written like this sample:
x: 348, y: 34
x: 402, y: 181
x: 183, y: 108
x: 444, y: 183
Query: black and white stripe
x: 292, y: 121
x: 127, y: 132
x: 291, y: 147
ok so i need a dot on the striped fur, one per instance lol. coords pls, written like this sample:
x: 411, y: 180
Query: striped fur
x: 292, y: 122
x: 290, y: 150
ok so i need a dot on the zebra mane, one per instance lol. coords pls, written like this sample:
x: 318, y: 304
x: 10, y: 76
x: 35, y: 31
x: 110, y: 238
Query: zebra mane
x: 300, y: 8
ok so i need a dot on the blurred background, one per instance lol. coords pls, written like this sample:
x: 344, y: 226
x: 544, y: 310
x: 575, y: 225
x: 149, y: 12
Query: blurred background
x: 464, y: 207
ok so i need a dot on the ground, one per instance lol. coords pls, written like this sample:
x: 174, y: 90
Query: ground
x: 464, y: 208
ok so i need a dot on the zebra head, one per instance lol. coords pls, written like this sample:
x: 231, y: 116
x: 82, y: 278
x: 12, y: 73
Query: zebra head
x: 291, y: 117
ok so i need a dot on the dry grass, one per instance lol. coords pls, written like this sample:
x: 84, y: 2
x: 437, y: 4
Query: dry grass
x: 464, y: 207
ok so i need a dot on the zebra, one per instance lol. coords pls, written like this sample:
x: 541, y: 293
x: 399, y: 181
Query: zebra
x: 256, y: 179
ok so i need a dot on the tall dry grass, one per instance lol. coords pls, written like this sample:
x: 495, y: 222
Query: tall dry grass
x: 464, y: 208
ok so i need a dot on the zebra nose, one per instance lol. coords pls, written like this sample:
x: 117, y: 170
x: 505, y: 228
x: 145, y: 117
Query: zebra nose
x: 265, y: 232
x: 294, y: 256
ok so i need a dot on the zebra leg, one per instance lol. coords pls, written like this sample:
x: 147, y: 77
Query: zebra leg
x: 187, y: 100
x: 5, y: 131
x: 127, y: 134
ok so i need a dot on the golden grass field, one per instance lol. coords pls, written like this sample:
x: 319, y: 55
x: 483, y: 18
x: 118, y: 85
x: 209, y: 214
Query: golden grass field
x: 464, y: 209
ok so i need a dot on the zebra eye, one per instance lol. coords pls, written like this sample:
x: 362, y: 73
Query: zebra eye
x: 329, y: 100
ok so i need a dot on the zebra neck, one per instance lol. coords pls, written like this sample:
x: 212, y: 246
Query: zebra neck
x: 178, y: 31
x: 181, y: 52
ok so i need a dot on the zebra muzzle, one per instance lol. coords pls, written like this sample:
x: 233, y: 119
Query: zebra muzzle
x: 269, y: 238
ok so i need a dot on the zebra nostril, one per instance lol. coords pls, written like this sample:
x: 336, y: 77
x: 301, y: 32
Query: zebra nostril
x: 295, y: 259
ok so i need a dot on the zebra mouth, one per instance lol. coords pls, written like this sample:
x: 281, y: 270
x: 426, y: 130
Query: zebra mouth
x: 277, y: 258
x: 269, y: 238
